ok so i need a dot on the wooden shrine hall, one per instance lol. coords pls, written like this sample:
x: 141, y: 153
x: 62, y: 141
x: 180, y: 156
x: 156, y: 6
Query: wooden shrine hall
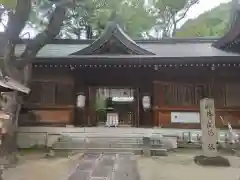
x: 146, y: 83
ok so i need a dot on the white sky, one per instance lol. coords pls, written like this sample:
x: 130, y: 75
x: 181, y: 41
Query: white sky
x: 203, y: 6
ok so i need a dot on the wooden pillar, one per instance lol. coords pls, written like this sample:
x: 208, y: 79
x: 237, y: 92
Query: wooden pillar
x: 80, y: 115
x: 92, y: 106
x: 155, y: 104
x: 158, y: 102
x: 137, y: 106
x: 146, y: 116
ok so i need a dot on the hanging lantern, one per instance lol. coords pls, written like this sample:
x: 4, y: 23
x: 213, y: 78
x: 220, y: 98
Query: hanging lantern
x: 146, y: 102
x: 81, y: 100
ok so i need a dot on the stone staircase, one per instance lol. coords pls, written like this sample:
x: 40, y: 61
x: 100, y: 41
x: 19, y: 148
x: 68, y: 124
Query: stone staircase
x: 109, y: 143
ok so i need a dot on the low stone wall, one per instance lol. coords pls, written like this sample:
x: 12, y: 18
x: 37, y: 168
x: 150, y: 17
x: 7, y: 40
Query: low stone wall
x: 45, y: 136
x: 30, y: 140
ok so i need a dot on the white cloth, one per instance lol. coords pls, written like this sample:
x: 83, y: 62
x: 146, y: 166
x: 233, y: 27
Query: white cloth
x: 112, y: 119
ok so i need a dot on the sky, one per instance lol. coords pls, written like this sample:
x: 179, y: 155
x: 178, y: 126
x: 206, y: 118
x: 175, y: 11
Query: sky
x: 204, y: 5
x: 201, y: 7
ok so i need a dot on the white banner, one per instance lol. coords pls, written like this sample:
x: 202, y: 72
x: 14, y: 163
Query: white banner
x: 185, y: 117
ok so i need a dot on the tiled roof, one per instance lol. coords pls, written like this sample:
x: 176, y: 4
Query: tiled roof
x: 160, y: 50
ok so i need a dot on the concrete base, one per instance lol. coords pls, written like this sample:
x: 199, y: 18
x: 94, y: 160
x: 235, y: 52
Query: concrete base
x: 159, y: 152
x: 9, y: 160
x: 211, y: 161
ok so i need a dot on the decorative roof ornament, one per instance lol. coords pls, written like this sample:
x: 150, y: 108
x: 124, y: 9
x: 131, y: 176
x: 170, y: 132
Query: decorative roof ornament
x: 113, y: 41
x: 230, y: 41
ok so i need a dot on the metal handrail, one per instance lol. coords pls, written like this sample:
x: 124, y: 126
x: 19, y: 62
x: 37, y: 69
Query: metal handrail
x: 234, y: 137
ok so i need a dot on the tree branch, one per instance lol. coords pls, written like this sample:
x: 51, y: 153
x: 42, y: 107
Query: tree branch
x: 187, y: 8
x: 183, y: 15
x: 18, y: 19
x: 43, y: 38
x: 16, y: 23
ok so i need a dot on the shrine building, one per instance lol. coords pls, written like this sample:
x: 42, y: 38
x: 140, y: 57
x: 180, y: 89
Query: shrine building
x: 146, y: 83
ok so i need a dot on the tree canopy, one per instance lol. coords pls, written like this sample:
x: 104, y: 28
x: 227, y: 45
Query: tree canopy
x: 10, y: 4
x: 155, y: 19
x: 169, y: 13
x: 88, y: 18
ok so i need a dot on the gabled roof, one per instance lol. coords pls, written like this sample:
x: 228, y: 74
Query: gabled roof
x: 231, y: 40
x: 161, y: 49
x: 113, y: 41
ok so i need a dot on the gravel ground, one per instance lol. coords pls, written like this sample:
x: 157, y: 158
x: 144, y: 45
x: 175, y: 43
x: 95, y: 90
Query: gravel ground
x: 180, y: 166
x: 33, y: 166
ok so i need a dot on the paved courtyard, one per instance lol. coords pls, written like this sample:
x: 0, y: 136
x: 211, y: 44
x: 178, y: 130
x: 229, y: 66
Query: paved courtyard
x: 108, y: 166
x: 94, y: 166
x: 34, y: 166
x: 180, y: 166
x: 122, y: 166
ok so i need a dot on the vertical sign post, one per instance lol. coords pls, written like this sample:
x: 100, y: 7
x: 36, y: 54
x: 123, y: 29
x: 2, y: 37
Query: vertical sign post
x: 209, y: 134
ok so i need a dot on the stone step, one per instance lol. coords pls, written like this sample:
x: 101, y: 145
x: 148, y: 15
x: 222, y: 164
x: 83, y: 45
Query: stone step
x: 106, y: 150
x: 101, y: 144
x: 137, y: 151
x: 108, y: 139
x: 91, y: 145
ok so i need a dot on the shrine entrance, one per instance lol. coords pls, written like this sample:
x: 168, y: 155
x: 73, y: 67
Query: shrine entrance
x: 116, y: 106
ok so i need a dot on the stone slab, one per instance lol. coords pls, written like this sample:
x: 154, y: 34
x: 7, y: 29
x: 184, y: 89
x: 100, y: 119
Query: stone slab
x: 102, y: 171
x: 86, y: 165
x: 107, y: 166
x: 79, y: 175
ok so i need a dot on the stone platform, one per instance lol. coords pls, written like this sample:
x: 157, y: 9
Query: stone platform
x: 107, y: 166
x: 46, y: 136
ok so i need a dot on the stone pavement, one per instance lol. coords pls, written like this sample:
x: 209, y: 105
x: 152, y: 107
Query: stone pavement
x: 107, y: 166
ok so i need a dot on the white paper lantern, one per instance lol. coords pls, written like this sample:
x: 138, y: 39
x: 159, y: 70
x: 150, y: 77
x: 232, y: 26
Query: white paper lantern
x: 146, y: 102
x: 81, y: 100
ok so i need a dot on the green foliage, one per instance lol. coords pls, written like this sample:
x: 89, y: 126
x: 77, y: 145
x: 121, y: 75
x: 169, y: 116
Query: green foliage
x: 175, y: 5
x: 212, y: 23
x: 9, y: 4
x: 170, y: 12
x: 131, y: 15
x: 136, y: 19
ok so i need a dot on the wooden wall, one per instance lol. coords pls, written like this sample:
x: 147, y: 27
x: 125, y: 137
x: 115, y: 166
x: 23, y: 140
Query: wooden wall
x: 54, y: 116
x: 51, y: 100
x: 221, y: 84
x: 183, y: 95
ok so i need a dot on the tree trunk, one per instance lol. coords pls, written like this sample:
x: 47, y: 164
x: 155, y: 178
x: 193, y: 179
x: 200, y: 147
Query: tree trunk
x: 22, y: 71
x: 174, y: 29
x: 16, y: 23
x: 89, y: 32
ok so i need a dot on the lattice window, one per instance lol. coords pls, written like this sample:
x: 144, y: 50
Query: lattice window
x: 64, y: 94
x: 51, y: 93
x: 35, y: 94
x: 176, y: 94
x: 184, y: 94
x: 219, y: 94
x: 48, y: 93
x: 233, y: 94
x: 201, y: 91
